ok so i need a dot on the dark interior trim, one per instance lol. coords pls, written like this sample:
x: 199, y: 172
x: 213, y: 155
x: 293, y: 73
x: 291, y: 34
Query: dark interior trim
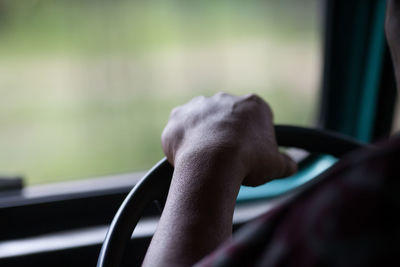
x: 69, y: 205
x: 57, y: 248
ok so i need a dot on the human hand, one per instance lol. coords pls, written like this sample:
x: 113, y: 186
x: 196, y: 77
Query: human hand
x: 237, y: 131
x: 216, y: 144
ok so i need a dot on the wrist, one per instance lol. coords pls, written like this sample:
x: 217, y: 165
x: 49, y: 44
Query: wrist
x: 198, y: 213
x: 213, y: 163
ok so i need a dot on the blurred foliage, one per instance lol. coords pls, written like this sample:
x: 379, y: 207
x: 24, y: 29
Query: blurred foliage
x: 98, y: 26
x: 86, y: 85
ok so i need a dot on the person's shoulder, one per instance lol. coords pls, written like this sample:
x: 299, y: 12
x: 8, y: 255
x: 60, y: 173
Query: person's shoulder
x: 345, y: 215
x: 382, y: 149
x: 341, y: 216
x: 377, y: 161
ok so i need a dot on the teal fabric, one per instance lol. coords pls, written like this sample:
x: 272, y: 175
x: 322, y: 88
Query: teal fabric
x: 277, y: 187
x: 365, y: 64
x: 372, y: 75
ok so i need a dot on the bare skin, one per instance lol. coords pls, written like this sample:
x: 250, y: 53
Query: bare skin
x: 216, y: 144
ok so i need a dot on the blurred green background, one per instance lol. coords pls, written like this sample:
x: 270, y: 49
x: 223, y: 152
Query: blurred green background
x: 86, y: 86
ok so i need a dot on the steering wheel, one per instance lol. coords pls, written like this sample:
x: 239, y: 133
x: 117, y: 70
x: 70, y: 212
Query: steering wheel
x: 155, y: 185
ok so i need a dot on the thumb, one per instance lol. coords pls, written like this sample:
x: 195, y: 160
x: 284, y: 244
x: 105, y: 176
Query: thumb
x: 288, y: 166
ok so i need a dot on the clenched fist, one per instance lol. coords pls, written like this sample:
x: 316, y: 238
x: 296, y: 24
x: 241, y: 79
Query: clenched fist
x: 236, y: 131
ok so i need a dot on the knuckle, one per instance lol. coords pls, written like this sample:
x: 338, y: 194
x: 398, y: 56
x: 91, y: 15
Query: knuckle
x: 270, y: 113
x: 252, y: 100
x: 268, y: 109
x: 224, y: 95
x: 220, y: 94
x: 255, y: 103
x: 198, y: 98
x: 175, y: 111
x: 252, y: 97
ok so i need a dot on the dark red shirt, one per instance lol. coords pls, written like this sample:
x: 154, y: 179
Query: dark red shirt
x: 348, y: 216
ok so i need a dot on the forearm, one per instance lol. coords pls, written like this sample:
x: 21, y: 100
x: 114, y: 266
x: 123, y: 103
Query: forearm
x: 199, y: 209
x: 215, y: 144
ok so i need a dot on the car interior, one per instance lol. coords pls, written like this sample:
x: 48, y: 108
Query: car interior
x: 91, y: 221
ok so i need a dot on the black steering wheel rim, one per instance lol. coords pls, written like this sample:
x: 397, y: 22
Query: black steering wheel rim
x: 155, y: 185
